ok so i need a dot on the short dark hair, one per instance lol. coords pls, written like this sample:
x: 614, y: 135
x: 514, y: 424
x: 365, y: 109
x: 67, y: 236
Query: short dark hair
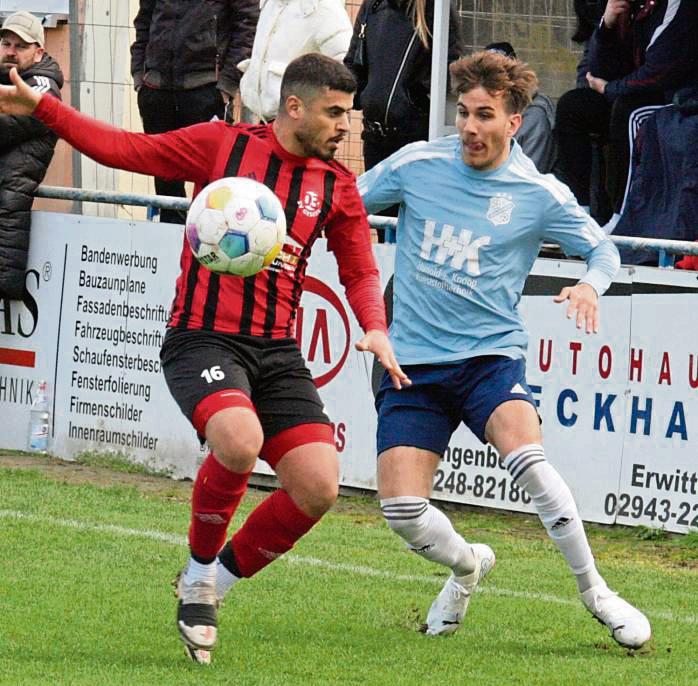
x: 311, y: 73
x: 496, y: 73
x: 503, y: 48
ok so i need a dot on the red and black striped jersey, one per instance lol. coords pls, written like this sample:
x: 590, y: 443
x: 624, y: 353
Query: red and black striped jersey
x: 317, y: 196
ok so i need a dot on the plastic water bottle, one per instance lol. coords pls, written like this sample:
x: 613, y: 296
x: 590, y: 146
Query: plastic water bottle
x: 39, y: 421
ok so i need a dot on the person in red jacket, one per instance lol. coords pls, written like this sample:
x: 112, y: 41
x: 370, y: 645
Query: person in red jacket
x: 262, y: 400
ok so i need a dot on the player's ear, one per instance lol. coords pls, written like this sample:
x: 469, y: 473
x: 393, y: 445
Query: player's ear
x: 294, y: 106
x: 514, y: 123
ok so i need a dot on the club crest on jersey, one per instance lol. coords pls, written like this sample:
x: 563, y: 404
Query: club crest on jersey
x: 310, y: 204
x: 500, y: 209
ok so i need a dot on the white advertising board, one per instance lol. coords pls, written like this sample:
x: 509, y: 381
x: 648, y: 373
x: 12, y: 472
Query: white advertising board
x: 619, y: 409
x: 99, y: 293
x: 658, y: 482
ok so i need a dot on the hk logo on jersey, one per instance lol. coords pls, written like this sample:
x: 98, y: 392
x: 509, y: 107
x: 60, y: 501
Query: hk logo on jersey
x: 310, y: 204
x: 500, y: 209
x: 461, y: 249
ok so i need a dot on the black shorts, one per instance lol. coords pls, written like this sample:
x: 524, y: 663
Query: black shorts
x: 270, y: 372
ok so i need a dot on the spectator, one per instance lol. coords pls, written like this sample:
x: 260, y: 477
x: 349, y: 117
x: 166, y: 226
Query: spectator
x: 26, y: 145
x: 535, y: 136
x: 640, y: 53
x: 184, y: 66
x: 390, y: 55
x: 589, y: 13
x: 316, y: 26
x: 662, y: 200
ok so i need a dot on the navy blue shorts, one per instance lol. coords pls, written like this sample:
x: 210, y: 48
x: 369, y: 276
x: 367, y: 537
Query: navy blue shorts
x: 425, y: 414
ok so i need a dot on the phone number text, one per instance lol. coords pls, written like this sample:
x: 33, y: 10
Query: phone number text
x: 659, y: 509
x: 479, y: 486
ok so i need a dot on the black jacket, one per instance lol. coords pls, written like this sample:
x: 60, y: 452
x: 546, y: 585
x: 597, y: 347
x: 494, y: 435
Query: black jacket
x: 184, y: 44
x: 589, y: 13
x: 656, y: 53
x: 393, y: 68
x: 26, y: 148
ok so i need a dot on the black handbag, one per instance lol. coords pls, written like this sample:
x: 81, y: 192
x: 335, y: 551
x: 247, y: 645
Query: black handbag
x: 360, y: 53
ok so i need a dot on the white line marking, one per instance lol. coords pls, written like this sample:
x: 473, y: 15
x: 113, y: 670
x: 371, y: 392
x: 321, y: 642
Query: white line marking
x: 358, y: 570
x: 89, y: 526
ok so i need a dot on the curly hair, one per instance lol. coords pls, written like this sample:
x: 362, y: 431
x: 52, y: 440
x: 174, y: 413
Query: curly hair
x: 496, y: 73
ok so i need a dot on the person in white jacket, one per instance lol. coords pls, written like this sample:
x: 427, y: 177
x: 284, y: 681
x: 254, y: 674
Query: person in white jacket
x: 286, y: 30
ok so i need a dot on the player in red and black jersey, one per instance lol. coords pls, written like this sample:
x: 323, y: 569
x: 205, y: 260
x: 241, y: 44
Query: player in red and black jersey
x: 229, y: 357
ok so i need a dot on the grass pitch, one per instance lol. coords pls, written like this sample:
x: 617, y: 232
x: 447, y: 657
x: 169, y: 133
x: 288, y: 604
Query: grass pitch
x: 85, y: 597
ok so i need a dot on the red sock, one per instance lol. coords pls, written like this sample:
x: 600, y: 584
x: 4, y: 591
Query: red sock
x: 271, y: 530
x: 216, y: 495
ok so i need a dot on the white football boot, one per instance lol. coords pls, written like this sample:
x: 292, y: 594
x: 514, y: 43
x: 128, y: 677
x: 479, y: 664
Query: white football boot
x: 447, y: 611
x: 197, y: 617
x: 628, y: 626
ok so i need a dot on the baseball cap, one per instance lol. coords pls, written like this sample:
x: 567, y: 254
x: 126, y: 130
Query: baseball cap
x: 27, y: 26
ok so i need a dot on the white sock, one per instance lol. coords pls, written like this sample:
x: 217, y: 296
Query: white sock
x: 225, y: 579
x: 428, y: 532
x: 556, y: 508
x: 195, y: 571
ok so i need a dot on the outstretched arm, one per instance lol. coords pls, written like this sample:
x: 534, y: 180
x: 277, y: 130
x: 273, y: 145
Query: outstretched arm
x: 185, y: 154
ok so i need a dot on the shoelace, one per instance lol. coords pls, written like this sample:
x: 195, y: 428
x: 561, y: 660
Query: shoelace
x: 202, y: 592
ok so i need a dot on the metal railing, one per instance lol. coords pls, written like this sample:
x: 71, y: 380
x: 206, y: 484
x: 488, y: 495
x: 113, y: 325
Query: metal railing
x: 665, y: 249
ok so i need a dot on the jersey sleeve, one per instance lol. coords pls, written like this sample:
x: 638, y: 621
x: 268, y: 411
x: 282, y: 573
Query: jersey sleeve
x: 349, y: 238
x: 568, y: 225
x: 185, y: 154
x: 381, y: 186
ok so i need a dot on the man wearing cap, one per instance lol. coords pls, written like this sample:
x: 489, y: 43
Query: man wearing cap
x: 26, y: 145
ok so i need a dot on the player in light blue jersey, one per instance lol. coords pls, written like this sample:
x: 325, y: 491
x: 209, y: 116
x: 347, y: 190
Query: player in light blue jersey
x: 474, y: 212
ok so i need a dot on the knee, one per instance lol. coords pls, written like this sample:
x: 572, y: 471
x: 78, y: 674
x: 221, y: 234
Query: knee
x: 236, y: 447
x: 566, y: 106
x: 406, y: 516
x: 575, y: 111
x: 317, y: 498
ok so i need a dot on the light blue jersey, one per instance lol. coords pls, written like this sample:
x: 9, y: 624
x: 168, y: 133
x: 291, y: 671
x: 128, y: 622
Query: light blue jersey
x: 466, y: 241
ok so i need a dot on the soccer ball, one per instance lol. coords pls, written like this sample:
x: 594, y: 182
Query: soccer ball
x: 236, y: 226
